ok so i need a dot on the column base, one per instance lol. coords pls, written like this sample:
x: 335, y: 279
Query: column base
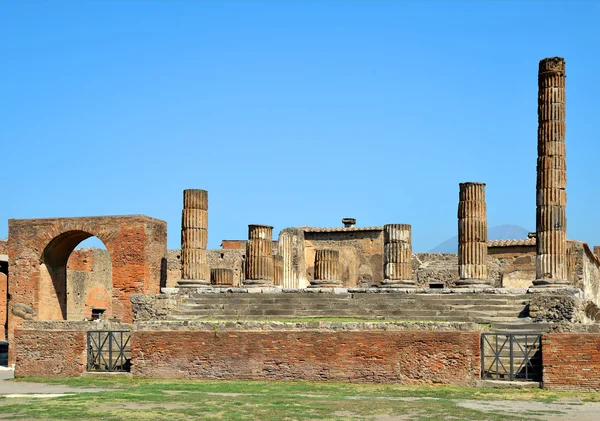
x: 472, y: 283
x: 257, y: 283
x: 221, y: 286
x: 398, y: 283
x: 550, y: 283
x: 322, y: 283
x: 193, y: 283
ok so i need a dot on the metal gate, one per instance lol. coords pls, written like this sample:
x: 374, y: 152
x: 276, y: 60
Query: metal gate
x: 511, y: 356
x: 108, y: 350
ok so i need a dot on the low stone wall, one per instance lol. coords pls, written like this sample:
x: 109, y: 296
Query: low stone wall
x: 571, y: 361
x: 379, y: 356
x: 54, y: 348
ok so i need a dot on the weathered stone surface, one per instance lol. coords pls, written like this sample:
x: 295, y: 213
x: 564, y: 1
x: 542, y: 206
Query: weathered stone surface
x: 278, y: 270
x: 223, y: 277
x: 551, y: 198
x: 472, y: 236
x: 397, y: 256
x: 291, y: 248
x: 195, y: 271
x: 259, y: 256
x: 326, y: 269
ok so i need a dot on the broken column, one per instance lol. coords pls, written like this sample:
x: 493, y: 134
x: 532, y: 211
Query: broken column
x: 278, y: 270
x: 551, y: 198
x: 397, y: 256
x: 291, y: 248
x: 221, y: 277
x: 195, y: 271
x: 327, y: 263
x: 472, y: 237
x: 259, y: 256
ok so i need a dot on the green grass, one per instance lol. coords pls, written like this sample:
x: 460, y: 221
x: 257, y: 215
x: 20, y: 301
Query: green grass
x: 152, y: 399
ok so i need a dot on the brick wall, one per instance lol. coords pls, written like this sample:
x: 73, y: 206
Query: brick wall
x: 52, y: 353
x: 3, y: 305
x: 407, y: 357
x: 571, y: 361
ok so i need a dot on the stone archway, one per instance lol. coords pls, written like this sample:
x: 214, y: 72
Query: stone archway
x: 137, y: 245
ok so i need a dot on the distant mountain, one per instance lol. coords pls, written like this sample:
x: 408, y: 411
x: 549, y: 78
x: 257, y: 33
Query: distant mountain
x: 499, y: 232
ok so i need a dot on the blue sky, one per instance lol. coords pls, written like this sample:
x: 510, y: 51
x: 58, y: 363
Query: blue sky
x: 291, y: 112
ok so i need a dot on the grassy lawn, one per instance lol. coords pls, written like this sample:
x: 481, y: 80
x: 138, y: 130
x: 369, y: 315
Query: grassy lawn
x: 149, y: 399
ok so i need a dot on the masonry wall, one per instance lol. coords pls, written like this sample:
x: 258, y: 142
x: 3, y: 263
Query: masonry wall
x: 361, y: 255
x: 232, y: 258
x: 52, y: 353
x: 571, y: 361
x: 405, y: 357
x: 89, y: 282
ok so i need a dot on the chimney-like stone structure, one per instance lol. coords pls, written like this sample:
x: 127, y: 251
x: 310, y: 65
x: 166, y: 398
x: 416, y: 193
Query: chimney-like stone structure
x: 327, y: 267
x: 221, y: 277
x: 259, y: 256
x: 472, y: 237
x: 397, y: 256
x: 551, y: 199
x: 349, y: 222
x: 195, y: 271
x: 278, y: 270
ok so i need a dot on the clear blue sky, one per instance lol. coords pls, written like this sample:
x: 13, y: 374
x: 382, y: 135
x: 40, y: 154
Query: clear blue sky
x: 292, y: 113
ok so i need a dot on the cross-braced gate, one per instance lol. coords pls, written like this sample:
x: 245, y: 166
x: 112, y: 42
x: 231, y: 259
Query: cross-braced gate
x: 511, y: 356
x: 108, y: 350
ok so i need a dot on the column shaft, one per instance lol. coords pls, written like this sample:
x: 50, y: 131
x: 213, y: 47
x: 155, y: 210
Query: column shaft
x: 397, y: 256
x: 327, y: 264
x: 551, y: 197
x: 472, y: 236
x: 195, y: 271
x: 259, y: 256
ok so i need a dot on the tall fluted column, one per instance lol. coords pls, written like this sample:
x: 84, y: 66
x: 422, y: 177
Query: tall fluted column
x: 472, y: 236
x: 327, y: 264
x: 195, y: 271
x: 551, y: 200
x: 221, y: 277
x: 397, y: 256
x: 259, y: 256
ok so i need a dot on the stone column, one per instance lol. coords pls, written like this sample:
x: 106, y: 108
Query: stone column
x: 259, y: 256
x: 397, y: 256
x: 472, y: 237
x: 551, y: 200
x: 195, y: 271
x: 278, y: 270
x: 221, y: 277
x: 291, y: 248
x: 327, y: 266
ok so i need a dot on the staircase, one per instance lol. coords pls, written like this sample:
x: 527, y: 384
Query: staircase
x: 504, y: 312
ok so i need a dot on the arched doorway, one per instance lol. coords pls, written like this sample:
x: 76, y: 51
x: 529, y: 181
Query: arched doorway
x: 75, y: 281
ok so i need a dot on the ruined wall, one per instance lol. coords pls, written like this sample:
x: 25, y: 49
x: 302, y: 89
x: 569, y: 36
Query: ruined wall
x: 3, y: 246
x: 405, y: 357
x: 3, y: 305
x: 361, y: 254
x: 54, y: 353
x: 89, y: 282
x: 233, y: 258
x: 587, y: 269
x: 571, y: 361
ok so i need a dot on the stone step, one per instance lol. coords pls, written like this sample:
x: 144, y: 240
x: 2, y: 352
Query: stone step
x: 513, y: 327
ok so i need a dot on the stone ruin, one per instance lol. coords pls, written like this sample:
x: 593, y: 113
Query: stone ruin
x: 544, y: 283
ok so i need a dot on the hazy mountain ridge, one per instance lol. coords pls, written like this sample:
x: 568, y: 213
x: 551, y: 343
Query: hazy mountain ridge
x: 499, y: 232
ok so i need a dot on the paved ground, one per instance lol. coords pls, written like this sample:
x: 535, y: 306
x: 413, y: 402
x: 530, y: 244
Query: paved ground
x: 8, y: 388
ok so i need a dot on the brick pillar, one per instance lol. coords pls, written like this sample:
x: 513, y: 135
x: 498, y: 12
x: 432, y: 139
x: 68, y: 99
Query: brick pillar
x: 551, y: 200
x: 327, y: 267
x: 278, y: 270
x: 397, y: 256
x: 195, y: 271
x: 472, y: 236
x: 221, y: 277
x: 259, y: 256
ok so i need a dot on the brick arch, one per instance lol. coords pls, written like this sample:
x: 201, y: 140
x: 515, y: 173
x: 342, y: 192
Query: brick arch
x: 137, y: 245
